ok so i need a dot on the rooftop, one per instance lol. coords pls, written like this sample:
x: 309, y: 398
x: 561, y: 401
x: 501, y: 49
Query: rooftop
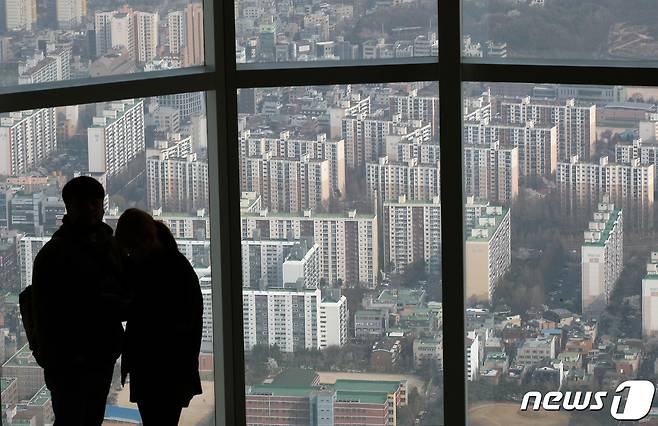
x: 23, y: 357
x: 295, y: 377
x: 387, y: 386
x: 605, y: 233
x: 486, y: 227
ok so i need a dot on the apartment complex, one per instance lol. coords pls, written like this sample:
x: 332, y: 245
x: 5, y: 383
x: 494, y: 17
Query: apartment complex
x: 602, y: 257
x: 176, y: 184
x: 412, y: 233
x: 289, y: 184
x: 27, y: 138
x: 293, y: 318
x: 488, y: 252
x: 388, y: 180
x: 116, y: 137
x: 584, y: 184
x: 575, y: 122
x: 348, y: 242
x: 537, y: 145
x: 491, y: 172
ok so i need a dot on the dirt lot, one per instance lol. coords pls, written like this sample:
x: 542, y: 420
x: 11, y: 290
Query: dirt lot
x: 508, y: 414
x: 200, y: 407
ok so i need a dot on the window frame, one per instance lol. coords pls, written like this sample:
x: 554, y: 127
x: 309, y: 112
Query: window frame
x: 219, y: 78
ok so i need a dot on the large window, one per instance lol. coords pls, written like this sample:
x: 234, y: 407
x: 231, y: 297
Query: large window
x: 359, y: 276
x: 146, y: 156
x: 341, y: 253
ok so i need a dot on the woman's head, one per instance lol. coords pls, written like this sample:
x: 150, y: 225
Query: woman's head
x: 137, y: 232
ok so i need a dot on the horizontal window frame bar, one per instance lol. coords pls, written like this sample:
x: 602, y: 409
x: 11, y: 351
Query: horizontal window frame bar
x: 142, y: 85
x: 339, y: 74
x: 559, y: 74
x: 111, y: 88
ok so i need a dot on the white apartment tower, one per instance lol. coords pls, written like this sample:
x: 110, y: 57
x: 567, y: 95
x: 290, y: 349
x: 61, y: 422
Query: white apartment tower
x: 176, y: 31
x: 28, y: 248
x: 333, y: 319
x: 116, y: 137
x: 387, y: 180
x: 177, y: 184
x: 488, y: 252
x: 146, y: 26
x: 602, y: 257
x: 289, y: 184
x: 27, y: 138
x: 491, y: 172
x: 412, y: 233
x: 650, y: 299
x: 348, y: 243
x: 20, y: 14
x: 70, y: 13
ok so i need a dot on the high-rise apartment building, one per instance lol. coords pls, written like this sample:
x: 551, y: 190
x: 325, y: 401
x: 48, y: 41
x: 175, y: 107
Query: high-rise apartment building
x: 650, y: 298
x: 285, y: 146
x: 488, y: 252
x: 188, y: 104
x: 332, y: 322
x: 291, y: 319
x: 20, y: 15
x: 584, y: 184
x: 262, y: 262
x: 602, y: 257
x: 411, y: 106
x: 116, y: 137
x: 412, y: 233
x: 387, y: 180
x: 176, y: 31
x: 146, y: 35
x: 289, y: 184
x: 70, y: 13
x: 537, y: 145
x: 491, y: 172
x: 28, y: 247
x: 205, y: 282
x: 365, y: 137
x: 193, y: 54
x: 645, y: 151
x: 176, y: 184
x: 42, y: 68
x: 27, y: 138
x: 576, y: 122
x: 348, y: 243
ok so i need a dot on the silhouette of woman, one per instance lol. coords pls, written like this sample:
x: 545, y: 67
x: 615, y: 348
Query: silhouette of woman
x: 163, y: 332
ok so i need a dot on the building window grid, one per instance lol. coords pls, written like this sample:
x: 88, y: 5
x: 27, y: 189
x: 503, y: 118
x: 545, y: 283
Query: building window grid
x: 225, y: 85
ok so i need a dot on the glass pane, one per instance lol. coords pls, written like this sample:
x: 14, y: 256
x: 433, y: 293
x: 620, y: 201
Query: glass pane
x: 147, y: 154
x: 560, y: 30
x: 341, y: 254
x: 44, y: 41
x: 289, y: 31
x: 560, y: 250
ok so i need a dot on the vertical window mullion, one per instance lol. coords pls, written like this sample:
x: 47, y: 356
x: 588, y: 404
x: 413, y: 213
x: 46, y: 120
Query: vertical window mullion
x: 225, y: 215
x: 452, y: 212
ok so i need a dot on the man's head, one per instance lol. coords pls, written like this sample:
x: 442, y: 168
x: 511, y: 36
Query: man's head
x: 83, y: 197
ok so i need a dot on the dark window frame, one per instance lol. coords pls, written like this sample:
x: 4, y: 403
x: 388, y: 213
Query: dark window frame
x: 220, y: 78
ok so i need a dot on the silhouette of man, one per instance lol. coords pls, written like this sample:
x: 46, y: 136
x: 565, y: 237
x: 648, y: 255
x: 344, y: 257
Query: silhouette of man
x: 76, y: 299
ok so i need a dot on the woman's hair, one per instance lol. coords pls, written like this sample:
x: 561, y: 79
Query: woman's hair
x: 136, y: 228
x: 165, y: 236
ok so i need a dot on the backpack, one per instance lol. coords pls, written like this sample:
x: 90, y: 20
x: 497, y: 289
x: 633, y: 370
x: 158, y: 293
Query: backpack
x: 27, y: 316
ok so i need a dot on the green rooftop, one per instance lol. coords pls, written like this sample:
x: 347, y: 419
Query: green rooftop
x: 402, y: 296
x: 5, y: 382
x: 23, y: 357
x: 295, y: 377
x: 498, y: 219
x: 41, y: 398
x: 386, y: 386
x: 605, y: 233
